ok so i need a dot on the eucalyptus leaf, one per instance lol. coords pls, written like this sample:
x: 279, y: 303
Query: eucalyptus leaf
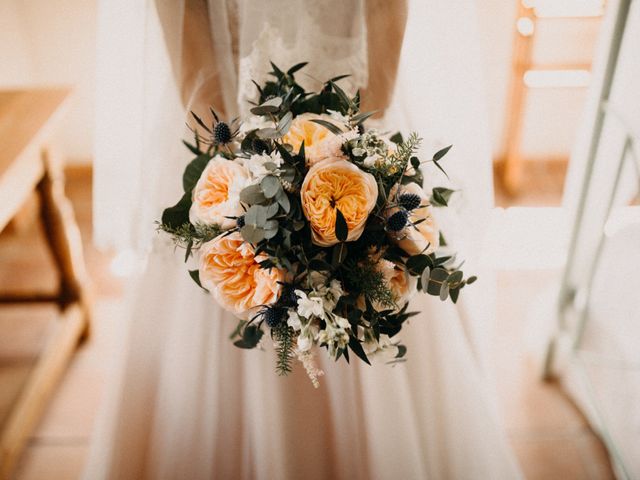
x: 252, y: 194
x: 252, y: 234
x: 268, y: 133
x: 424, y: 278
x: 444, y: 291
x: 272, y: 210
x: 283, y: 200
x: 270, y: 186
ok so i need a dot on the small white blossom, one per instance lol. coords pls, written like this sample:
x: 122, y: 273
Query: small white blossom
x: 309, y: 307
x: 338, y: 116
x: 294, y: 320
x: 304, y: 343
x: 255, y: 163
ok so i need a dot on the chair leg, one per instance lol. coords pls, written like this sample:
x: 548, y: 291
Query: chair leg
x: 63, y: 238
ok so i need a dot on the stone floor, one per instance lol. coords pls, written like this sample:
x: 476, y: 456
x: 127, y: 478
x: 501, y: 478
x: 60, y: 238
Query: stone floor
x: 550, y: 436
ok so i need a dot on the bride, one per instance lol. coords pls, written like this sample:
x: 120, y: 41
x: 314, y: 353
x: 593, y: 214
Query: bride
x: 184, y: 402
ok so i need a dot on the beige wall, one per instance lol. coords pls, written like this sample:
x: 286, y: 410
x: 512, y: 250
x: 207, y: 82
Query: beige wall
x: 52, y: 42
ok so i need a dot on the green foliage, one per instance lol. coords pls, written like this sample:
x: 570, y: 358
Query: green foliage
x: 285, y: 338
x: 366, y: 278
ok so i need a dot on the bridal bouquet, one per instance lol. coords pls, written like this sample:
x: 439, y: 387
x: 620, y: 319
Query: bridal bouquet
x: 309, y: 226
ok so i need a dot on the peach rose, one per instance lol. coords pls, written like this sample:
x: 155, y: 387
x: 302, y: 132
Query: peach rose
x: 217, y: 193
x: 425, y: 234
x: 319, y: 142
x: 401, y: 284
x: 333, y: 184
x: 229, y: 270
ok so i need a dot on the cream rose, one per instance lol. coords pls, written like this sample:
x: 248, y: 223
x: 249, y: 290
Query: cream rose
x: 337, y: 184
x: 416, y: 239
x: 229, y: 269
x: 217, y: 193
x: 319, y: 142
x: 401, y: 284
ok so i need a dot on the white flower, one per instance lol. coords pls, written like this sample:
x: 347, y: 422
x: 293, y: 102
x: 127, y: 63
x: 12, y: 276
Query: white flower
x: 383, y: 350
x: 372, y: 160
x: 294, y: 320
x: 330, y: 294
x: 341, y: 322
x: 309, y: 306
x: 338, y: 116
x: 255, y: 163
x: 304, y: 343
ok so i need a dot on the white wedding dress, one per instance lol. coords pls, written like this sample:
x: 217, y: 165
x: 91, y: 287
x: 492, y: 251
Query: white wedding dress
x: 184, y: 403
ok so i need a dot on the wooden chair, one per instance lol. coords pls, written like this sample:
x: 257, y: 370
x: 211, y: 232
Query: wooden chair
x: 27, y: 165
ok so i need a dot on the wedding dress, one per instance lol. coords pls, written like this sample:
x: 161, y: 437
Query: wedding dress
x: 184, y: 402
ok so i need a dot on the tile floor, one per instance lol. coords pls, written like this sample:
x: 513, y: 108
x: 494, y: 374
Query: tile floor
x: 549, y: 435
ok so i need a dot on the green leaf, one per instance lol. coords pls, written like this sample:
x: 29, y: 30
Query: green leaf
x: 193, y: 172
x: 252, y: 194
x: 176, y: 216
x: 328, y: 125
x: 417, y: 263
x: 453, y: 293
x: 195, y: 276
x: 341, y: 227
x: 344, y: 99
x: 256, y: 216
x: 424, y: 278
x: 270, y: 186
x: 471, y: 279
x: 339, y: 254
x: 270, y: 106
x: 251, y: 336
x: 444, y: 291
x: 455, y: 277
x: 285, y: 123
x: 441, y: 153
x: 193, y: 148
x: 356, y: 348
x: 361, y: 117
x: 268, y: 133
x: 402, y: 351
x: 237, y: 331
x: 397, y: 138
x: 201, y: 123
x: 252, y: 234
x: 440, y: 196
x: 296, y: 67
x: 283, y: 200
x: 438, y: 276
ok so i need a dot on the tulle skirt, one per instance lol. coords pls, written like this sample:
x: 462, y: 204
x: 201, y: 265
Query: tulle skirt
x: 185, y: 403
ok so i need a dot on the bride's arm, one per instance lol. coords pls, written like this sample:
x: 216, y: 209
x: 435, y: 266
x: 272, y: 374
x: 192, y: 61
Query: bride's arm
x: 386, y: 21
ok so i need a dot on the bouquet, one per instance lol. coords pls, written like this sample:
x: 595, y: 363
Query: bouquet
x: 310, y: 226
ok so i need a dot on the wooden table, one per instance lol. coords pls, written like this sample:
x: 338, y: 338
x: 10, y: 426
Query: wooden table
x: 27, y: 165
